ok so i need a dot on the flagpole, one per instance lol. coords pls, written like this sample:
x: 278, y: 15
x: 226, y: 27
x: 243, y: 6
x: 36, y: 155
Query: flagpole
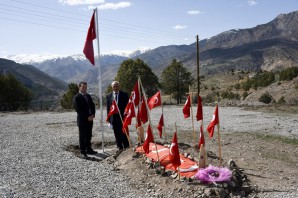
x: 163, y: 121
x: 122, y: 125
x: 193, y: 127
x: 99, y: 80
x: 202, y: 155
x: 218, y: 137
x: 177, y: 145
x: 140, y: 129
x: 148, y: 114
x: 219, y: 145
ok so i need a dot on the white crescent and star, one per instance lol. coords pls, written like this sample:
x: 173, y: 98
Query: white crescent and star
x: 172, y: 145
x: 155, y: 100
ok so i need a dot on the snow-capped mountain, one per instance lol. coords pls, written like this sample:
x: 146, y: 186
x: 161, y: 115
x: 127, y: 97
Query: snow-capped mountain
x: 38, y: 58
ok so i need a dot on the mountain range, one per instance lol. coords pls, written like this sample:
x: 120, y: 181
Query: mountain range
x: 272, y: 46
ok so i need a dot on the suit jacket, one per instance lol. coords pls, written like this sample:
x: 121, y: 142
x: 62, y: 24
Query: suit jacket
x: 83, y: 108
x: 122, y: 102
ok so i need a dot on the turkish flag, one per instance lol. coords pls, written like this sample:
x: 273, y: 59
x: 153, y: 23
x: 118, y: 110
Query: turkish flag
x: 160, y: 125
x: 129, y: 115
x: 143, y: 115
x: 174, y: 155
x: 135, y: 94
x: 213, y: 123
x: 186, y: 108
x: 113, y: 110
x: 199, y: 115
x: 91, y: 35
x: 154, y: 101
x: 202, y: 139
x: 148, y: 138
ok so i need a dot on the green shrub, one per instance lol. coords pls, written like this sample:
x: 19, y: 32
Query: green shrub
x: 265, y: 98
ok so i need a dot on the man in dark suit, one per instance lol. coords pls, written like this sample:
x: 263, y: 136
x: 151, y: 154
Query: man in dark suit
x: 85, y: 109
x: 115, y: 122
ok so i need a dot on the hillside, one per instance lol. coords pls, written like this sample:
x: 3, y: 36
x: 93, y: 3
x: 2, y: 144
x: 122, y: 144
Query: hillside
x: 42, y: 85
x: 271, y: 46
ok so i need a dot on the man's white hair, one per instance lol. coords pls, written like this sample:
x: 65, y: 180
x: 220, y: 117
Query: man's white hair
x: 114, y: 82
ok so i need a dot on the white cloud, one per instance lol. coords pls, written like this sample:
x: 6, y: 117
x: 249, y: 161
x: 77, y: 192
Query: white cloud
x: 194, y: 12
x: 252, y: 2
x: 114, y: 6
x: 80, y: 2
x: 180, y: 27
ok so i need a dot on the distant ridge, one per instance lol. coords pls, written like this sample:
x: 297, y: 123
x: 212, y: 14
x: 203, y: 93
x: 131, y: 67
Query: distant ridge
x: 38, y: 82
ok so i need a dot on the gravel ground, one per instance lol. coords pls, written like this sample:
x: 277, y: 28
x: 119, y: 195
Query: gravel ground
x: 35, y: 162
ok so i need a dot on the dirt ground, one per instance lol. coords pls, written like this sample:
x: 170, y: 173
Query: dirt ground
x: 270, y: 163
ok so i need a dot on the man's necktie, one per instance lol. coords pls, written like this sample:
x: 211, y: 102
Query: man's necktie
x: 116, y: 97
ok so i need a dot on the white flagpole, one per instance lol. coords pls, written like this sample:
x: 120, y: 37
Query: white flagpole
x: 99, y: 79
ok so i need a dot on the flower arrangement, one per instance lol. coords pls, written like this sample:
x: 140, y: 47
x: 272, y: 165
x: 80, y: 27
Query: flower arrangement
x: 213, y: 174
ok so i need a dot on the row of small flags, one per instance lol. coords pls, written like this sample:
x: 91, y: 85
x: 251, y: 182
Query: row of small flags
x: 142, y: 115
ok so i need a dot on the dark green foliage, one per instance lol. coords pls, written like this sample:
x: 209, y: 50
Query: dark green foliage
x: 129, y: 72
x: 237, y: 86
x: 262, y: 79
x: 247, y: 85
x: 14, y: 95
x: 66, y: 100
x: 244, y: 95
x: 175, y: 79
x: 265, y: 98
x: 289, y: 73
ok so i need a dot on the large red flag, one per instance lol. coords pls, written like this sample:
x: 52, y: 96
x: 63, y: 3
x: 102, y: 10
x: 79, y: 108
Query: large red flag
x: 148, y: 138
x: 174, y: 155
x: 213, y: 123
x: 135, y: 94
x: 143, y: 115
x: 154, y: 101
x: 160, y: 125
x: 91, y: 35
x: 186, y: 108
x: 113, y: 110
x: 199, y: 109
x: 129, y: 115
x: 202, y: 139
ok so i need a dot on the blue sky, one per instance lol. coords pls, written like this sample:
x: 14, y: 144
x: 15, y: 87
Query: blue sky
x: 59, y: 27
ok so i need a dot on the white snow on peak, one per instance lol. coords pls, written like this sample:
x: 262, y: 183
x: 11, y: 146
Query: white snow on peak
x: 38, y: 58
x: 129, y: 53
x: 31, y: 58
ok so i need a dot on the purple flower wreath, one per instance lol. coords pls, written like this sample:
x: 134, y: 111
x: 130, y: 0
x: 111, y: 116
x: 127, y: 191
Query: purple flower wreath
x: 214, y: 174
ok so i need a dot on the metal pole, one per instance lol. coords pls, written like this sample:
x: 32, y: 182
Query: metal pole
x: 198, y: 65
x: 99, y: 79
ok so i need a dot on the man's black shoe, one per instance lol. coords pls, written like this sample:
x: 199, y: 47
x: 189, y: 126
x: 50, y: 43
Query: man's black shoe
x: 84, y: 155
x: 90, y: 151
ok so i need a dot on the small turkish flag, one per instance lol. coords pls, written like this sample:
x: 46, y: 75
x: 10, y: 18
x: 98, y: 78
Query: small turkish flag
x: 160, y: 125
x: 213, y: 123
x: 186, y: 108
x: 148, y: 138
x: 154, y: 101
x: 174, y: 154
x: 113, y: 110
x: 199, y: 109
